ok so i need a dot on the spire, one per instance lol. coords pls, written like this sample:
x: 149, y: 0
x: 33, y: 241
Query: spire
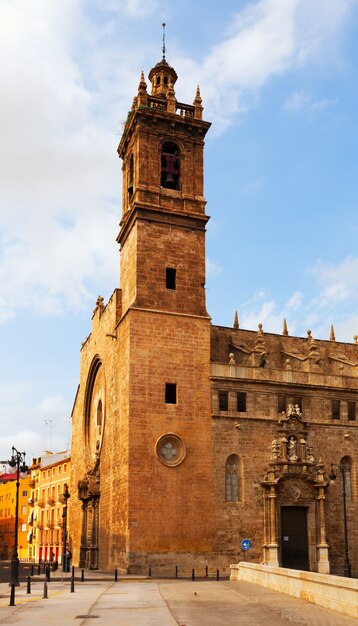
x: 163, y: 47
x: 332, y: 336
x: 285, y: 330
x: 236, y: 320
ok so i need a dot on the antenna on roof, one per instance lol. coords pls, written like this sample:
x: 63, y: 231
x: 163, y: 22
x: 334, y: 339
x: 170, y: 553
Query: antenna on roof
x: 163, y: 48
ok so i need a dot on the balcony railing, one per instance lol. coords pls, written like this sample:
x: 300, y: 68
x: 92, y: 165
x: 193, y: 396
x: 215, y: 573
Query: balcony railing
x: 51, y: 501
x: 41, y: 504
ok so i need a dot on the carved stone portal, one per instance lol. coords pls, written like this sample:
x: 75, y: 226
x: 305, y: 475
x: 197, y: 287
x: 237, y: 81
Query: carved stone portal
x: 293, y: 478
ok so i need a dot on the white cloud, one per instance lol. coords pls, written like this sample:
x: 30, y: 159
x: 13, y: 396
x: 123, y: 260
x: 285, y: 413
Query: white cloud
x: 337, y: 283
x: 53, y: 405
x: 66, y: 84
x: 268, y: 38
x: 302, y: 101
x: 212, y: 268
x: 29, y: 441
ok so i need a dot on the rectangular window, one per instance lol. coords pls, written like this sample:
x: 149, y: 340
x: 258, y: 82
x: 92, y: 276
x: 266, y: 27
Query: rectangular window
x: 241, y: 402
x: 24, y: 493
x: 223, y: 400
x: 170, y: 393
x: 171, y: 278
x: 281, y: 404
x: 23, y: 527
x: 336, y: 409
x: 23, y: 510
x: 351, y: 411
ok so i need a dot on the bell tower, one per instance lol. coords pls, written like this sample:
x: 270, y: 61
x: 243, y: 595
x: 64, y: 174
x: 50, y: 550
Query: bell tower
x: 164, y: 329
x: 162, y: 233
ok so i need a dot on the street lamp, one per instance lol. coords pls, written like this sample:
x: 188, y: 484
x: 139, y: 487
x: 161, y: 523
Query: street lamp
x: 17, y: 460
x: 64, y: 499
x: 343, y: 468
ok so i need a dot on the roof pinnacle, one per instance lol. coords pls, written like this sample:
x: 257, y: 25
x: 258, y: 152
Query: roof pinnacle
x: 236, y: 320
x: 332, y: 336
x: 285, y: 329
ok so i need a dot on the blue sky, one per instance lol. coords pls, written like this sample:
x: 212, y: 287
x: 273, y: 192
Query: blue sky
x: 278, y: 80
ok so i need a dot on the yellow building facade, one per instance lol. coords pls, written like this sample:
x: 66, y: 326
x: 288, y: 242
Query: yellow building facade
x: 47, y: 520
x: 7, y: 516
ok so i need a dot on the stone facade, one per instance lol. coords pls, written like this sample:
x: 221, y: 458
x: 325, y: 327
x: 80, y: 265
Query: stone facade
x: 189, y: 437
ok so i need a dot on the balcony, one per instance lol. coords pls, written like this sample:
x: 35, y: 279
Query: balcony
x: 41, y: 504
x: 40, y: 526
x: 30, y: 501
x: 51, y: 501
x: 32, y: 483
x: 50, y: 525
x: 61, y: 498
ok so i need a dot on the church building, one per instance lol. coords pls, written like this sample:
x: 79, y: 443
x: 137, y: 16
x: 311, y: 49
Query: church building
x: 190, y: 437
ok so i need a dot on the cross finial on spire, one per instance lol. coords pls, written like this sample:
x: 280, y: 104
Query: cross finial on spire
x: 163, y: 48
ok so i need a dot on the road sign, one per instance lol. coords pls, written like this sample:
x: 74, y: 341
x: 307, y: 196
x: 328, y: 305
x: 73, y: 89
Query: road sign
x: 246, y: 544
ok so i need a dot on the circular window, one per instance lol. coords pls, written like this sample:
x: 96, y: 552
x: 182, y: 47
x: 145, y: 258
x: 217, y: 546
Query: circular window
x: 170, y: 449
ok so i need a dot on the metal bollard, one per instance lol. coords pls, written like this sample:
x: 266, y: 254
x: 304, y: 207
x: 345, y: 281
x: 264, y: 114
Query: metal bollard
x: 115, y: 575
x: 28, y: 589
x: 45, y: 590
x: 193, y: 574
x: 47, y: 573
x: 206, y: 571
x: 217, y: 574
x: 12, y: 595
x: 150, y: 570
x: 39, y: 569
x: 73, y: 579
x: 82, y: 575
x: 176, y: 571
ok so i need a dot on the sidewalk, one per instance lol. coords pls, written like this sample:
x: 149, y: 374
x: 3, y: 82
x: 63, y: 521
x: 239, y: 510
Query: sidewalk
x: 135, y: 601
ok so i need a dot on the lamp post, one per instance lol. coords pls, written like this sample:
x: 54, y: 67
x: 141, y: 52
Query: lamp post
x: 65, y: 497
x: 17, y: 460
x: 343, y: 467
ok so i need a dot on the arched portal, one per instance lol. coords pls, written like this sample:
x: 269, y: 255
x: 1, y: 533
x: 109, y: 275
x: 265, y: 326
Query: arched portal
x: 89, y: 486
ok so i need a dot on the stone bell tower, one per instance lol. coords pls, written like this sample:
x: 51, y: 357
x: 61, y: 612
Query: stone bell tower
x: 164, y: 330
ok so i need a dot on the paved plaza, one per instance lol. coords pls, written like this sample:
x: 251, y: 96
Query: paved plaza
x: 100, y: 600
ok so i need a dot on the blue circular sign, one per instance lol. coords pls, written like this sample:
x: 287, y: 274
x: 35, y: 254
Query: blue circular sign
x: 246, y: 544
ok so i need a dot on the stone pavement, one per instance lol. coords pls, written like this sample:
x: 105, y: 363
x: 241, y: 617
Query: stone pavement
x: 148, y: 602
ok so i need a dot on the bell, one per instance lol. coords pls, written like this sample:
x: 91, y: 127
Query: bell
x: 169, y: 181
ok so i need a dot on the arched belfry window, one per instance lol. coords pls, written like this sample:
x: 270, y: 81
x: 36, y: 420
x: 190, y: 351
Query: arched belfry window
x: 232, y: 479
x: 170, y: 166
x: 346, y: 468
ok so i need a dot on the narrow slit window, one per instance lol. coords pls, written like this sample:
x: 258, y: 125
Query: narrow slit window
x: 241, y: 402
x: 336, y: 409
x: 171, y: 278
x: 223, y: 400
x: 170, y: 393
x: 232, y: 479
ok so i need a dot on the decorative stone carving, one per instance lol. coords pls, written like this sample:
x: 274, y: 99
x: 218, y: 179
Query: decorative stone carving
x: 292, y: 449
x: 296, y: 491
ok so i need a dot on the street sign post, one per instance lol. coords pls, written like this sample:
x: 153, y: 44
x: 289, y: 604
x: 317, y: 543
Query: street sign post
x: 245, y: 546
